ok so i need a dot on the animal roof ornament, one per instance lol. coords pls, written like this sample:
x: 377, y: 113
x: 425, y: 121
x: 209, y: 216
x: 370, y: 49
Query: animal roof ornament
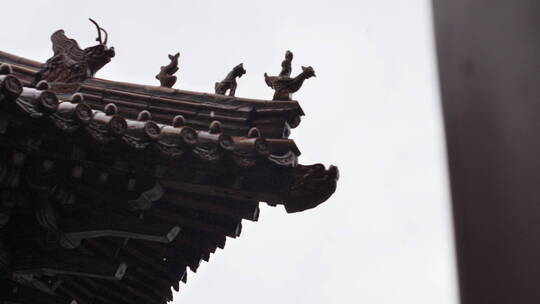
x: 229, y: 83
x: 283, y: 84
x: 70, y: 63
x: 165, y: 76
x: 286, y: 65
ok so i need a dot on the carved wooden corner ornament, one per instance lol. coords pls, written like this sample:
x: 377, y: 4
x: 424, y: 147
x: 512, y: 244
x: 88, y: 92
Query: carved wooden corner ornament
x: 165, y: 76
x: 311, y: 186
x: 283, y: 84
x: 229, y: 83
x: 70, y: 63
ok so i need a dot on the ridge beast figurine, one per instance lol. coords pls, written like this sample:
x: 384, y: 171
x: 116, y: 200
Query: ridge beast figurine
x: 70, y: 63
x: 286, y: 65
x: 229, y: 83
x: 283, y: 84
x: 165, y: 75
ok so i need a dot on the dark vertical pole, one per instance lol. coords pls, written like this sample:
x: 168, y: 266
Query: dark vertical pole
x: 489, y: 65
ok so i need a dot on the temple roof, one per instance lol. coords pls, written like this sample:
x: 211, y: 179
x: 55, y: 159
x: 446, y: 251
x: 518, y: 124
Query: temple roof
x: 236, y: 114
x: 111, y: 190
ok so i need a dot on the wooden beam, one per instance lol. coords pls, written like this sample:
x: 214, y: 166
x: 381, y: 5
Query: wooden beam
x: 82, y: 294
x: 16, y: 293
x: 69, y: 293
x: 190, y: 257
x: 133, y: 255
x: 223, y: 192
x: 93, y: 293
x: 199, y: 241
x: 230, y: 208
x: 184, y: 221
x: 117, y: 292
x: 111, y: 224
x: 67, y: 262
x: 138, y: 274
x: 140, y: 294
x: 4, y: 259
x: 140, y: 279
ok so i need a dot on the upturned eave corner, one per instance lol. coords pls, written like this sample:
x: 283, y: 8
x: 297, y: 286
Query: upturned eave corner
x: 87, y: 164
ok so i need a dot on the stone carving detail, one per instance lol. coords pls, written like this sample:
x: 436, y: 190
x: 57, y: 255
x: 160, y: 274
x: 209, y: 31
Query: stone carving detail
x: 283, y: 84
x: 165, y: 76
x: 229, y: 83
x: 70, y: 63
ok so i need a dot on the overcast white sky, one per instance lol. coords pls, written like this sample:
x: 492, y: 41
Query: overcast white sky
x: 373, y: 110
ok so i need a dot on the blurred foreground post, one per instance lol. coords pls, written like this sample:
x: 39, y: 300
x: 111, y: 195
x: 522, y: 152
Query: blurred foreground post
x: 489, y: 65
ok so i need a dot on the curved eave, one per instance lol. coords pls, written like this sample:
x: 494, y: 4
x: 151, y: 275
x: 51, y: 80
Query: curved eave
x: 137, y: 97
x: 252, y: 167
x: 308, y: 187
x: 173, y: 142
